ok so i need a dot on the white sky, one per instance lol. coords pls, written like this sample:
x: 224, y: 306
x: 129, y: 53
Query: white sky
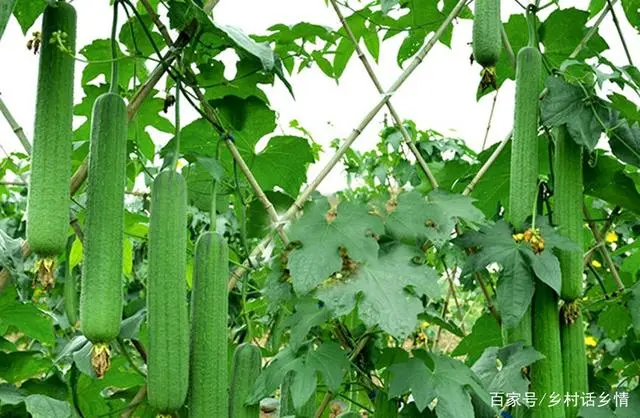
x: 440, y: 94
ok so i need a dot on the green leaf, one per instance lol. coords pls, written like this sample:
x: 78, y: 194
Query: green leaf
x: 331, y: 362
x: 25, y: 317
x: 615, y: 320
x: 98, y: 53
x: 453, y: 208
x: 75, y: 255
x: 133, y: 35
x: 130, y: 327
x: 485, y: 333
x: 21, y: 365
x: 381, y: 288
x: 415, y: 377
x: 516, y: 284
x: 283, y: 163
x: 632, y: 11
x: 388, y: 5
x: 41, y: 406
x: 607, y: 180
x: 410, y: 45
x: 568, y: 104
x: 10, y: 395
x: 515, y: 289
x: 372, y: 41
x: 322, y: 235
x: 624, y: 139
x: 308, y: 314
x: 27, y: 11
x: 412, y: 216
x: 595, y: 6
x: 561, y: 33
x: 11, y: 257
x: 433, y: 317
x: 500, y: 369
x: 328, y: 360
x: 628, y: 110
x: 450, y: 382
x: 546, y: 267
x: 127, y: 257
x: 343, y: 54
x: 91, y: 391
x: 273, y: 374
x: 259, y: 50
x: 245, y: 84
x: 149, y: 115
x: 258, y: 222
x: 455, y: 381
x: 6, y: 9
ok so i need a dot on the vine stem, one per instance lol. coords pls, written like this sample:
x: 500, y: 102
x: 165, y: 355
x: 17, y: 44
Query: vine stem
x: 603, y: 249
x: 176, y: 155
x: 299, y: 202
x: 454, y: 294
x: 617, y: 24
x: 603, y: 233
x: 113, y: 88
x: 367, y: 65
x: 494, y: 156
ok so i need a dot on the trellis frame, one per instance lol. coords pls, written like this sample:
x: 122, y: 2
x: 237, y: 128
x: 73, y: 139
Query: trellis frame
x: 278, y: 223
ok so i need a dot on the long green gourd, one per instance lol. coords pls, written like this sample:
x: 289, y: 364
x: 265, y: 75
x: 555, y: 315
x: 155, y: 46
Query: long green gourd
x: 524, y: 154
x: 568, y: 199
x: 487, y: 37
x: 247, y: 363
x: 168, y: 362
x: 49, y: 187
x: 101, y: 292
x: 208, y: 382
x: 567, y: 214
x: 524, y: 163
x: 574, y: 356
x: 547, y: 374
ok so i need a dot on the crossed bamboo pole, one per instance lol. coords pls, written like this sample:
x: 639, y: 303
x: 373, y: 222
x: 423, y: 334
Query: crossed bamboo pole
x: 407, y: 139
x: 80, y: 175
x: 239, y: 271
x: 396, y: 118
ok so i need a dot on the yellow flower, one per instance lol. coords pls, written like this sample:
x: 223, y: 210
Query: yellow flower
x: 590, y: 341
x: 596, y: 264
x: 424, y: 324
x: 611, y: 237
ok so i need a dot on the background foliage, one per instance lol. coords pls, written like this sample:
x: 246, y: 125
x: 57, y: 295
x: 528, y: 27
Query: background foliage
x: 375, y: 294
